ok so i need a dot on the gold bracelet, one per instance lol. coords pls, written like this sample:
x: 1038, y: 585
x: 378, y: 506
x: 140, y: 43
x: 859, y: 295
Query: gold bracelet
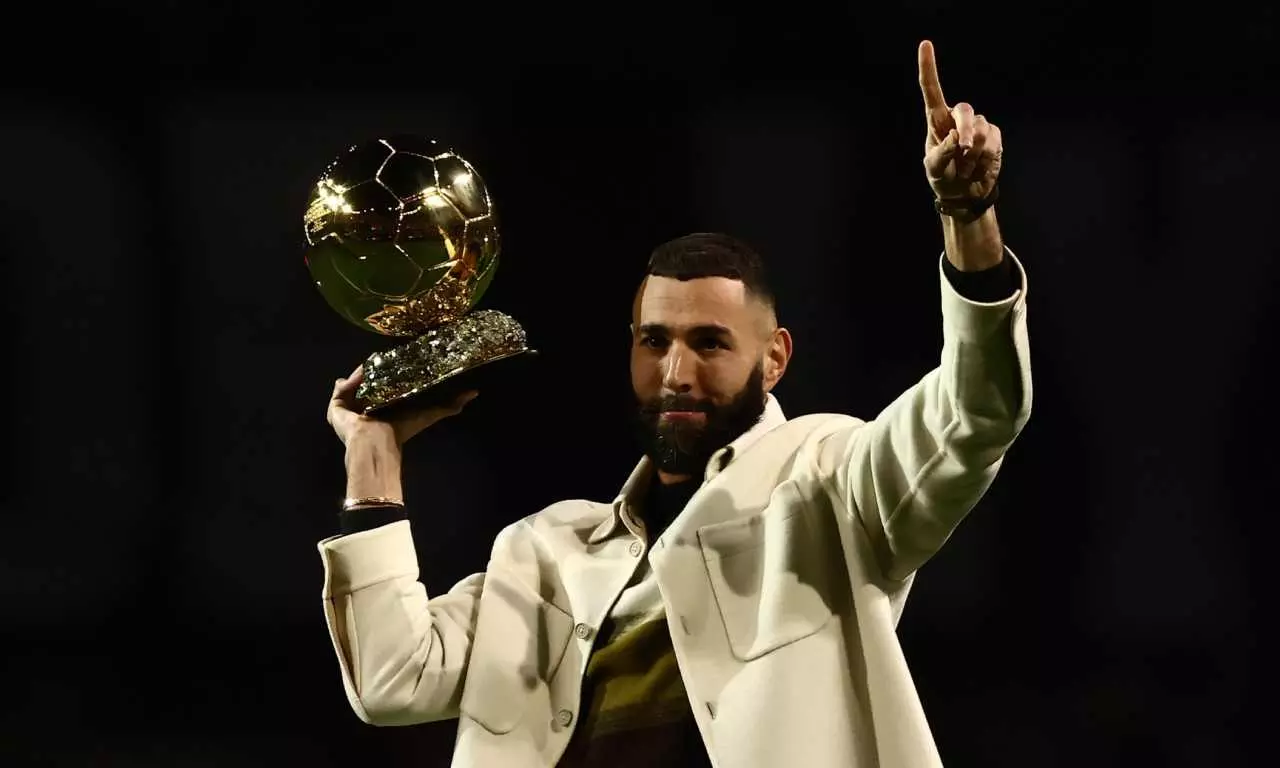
x: 381, y: 501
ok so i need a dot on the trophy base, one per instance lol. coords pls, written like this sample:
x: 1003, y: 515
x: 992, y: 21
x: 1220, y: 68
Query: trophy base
x: 433, y: 369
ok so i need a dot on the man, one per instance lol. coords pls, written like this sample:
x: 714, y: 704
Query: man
x: 736, y: 605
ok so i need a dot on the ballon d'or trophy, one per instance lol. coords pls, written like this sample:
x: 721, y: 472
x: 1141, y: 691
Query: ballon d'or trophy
x: 402, y: 240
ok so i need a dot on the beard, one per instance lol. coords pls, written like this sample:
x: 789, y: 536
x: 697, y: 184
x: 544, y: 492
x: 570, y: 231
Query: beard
x: 683, y: 448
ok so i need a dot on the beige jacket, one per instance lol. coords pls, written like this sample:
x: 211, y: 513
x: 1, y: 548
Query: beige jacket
x: 783, y: 580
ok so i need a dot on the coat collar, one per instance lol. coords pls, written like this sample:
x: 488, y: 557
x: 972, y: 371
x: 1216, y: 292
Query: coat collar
x: 638, y: 481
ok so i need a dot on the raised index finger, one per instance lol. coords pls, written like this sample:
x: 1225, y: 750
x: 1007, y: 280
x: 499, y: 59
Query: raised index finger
x: 934, y: 103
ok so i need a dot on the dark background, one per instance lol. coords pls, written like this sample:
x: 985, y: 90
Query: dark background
x: 168, y: 359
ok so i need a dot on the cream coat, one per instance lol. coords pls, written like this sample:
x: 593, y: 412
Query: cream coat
x: 783, y: 579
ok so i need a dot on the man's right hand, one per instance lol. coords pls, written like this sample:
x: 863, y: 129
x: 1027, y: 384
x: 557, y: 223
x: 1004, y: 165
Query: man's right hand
x: 352, y: 426
x: 373, y: 445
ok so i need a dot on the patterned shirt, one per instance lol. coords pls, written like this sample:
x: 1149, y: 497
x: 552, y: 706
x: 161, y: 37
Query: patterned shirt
x: 635, y: 709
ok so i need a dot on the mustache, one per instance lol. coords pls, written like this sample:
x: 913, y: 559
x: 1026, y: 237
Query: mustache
x: 676, y: 403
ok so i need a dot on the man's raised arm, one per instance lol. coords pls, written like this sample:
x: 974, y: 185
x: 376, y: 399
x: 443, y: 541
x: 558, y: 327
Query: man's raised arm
x: 913, y: 473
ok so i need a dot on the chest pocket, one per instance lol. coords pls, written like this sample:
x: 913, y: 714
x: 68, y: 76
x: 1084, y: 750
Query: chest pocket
x: 520, y: 640
x: 770, y: 576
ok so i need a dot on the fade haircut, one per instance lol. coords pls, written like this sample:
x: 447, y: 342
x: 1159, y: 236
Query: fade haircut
x: 712, y: 254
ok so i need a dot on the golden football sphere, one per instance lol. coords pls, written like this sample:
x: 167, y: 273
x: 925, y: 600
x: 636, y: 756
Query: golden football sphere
x: 401, y: 235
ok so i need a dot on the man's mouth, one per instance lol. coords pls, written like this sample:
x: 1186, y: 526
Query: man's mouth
x: 683, y: 415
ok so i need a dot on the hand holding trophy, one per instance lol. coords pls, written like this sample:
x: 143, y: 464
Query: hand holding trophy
x: 402, y: 240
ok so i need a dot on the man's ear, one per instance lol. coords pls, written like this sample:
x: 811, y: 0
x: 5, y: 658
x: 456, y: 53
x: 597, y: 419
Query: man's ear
x: 777, y: 356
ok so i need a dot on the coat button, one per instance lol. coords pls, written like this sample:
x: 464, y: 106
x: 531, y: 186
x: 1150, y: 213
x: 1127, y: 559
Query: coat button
x: 564, y: 717
x: 635, y: 549
x: 582, y: 631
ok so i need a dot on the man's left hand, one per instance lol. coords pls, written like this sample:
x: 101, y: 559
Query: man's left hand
x: 962, y: 150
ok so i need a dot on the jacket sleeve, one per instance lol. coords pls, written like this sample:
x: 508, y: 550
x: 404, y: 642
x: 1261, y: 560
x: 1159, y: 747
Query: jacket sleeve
x: 915, y: 471
x: 402, y: 655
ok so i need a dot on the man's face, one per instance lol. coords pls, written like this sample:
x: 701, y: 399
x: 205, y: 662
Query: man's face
x: 703, y: 355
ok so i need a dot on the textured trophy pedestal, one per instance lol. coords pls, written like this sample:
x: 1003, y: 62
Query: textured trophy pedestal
x: 436, y: 367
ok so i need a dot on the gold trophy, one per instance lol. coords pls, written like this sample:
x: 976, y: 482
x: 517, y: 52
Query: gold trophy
x: 402, y: 240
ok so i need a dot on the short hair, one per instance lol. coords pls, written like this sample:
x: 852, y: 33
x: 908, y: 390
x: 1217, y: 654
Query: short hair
x: 713, y: 254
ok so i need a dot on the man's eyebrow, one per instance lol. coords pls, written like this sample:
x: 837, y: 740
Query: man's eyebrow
x: 711, y: 329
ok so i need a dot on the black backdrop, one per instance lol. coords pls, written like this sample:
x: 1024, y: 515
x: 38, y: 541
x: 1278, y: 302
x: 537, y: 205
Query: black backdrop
x: 169, y: 361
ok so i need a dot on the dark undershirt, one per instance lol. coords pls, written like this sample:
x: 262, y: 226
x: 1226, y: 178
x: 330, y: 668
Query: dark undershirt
x: 663, y: 503
x: 635, y: 712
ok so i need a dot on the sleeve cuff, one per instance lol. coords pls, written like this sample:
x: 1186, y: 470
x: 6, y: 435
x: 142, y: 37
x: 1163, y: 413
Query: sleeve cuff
x: 972, y: 320
x: 368, y: 518
x: 361, y: 559
x: 985, y: 286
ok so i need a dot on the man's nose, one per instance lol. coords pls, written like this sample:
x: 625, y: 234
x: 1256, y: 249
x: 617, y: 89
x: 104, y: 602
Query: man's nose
x: 678, y: 369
